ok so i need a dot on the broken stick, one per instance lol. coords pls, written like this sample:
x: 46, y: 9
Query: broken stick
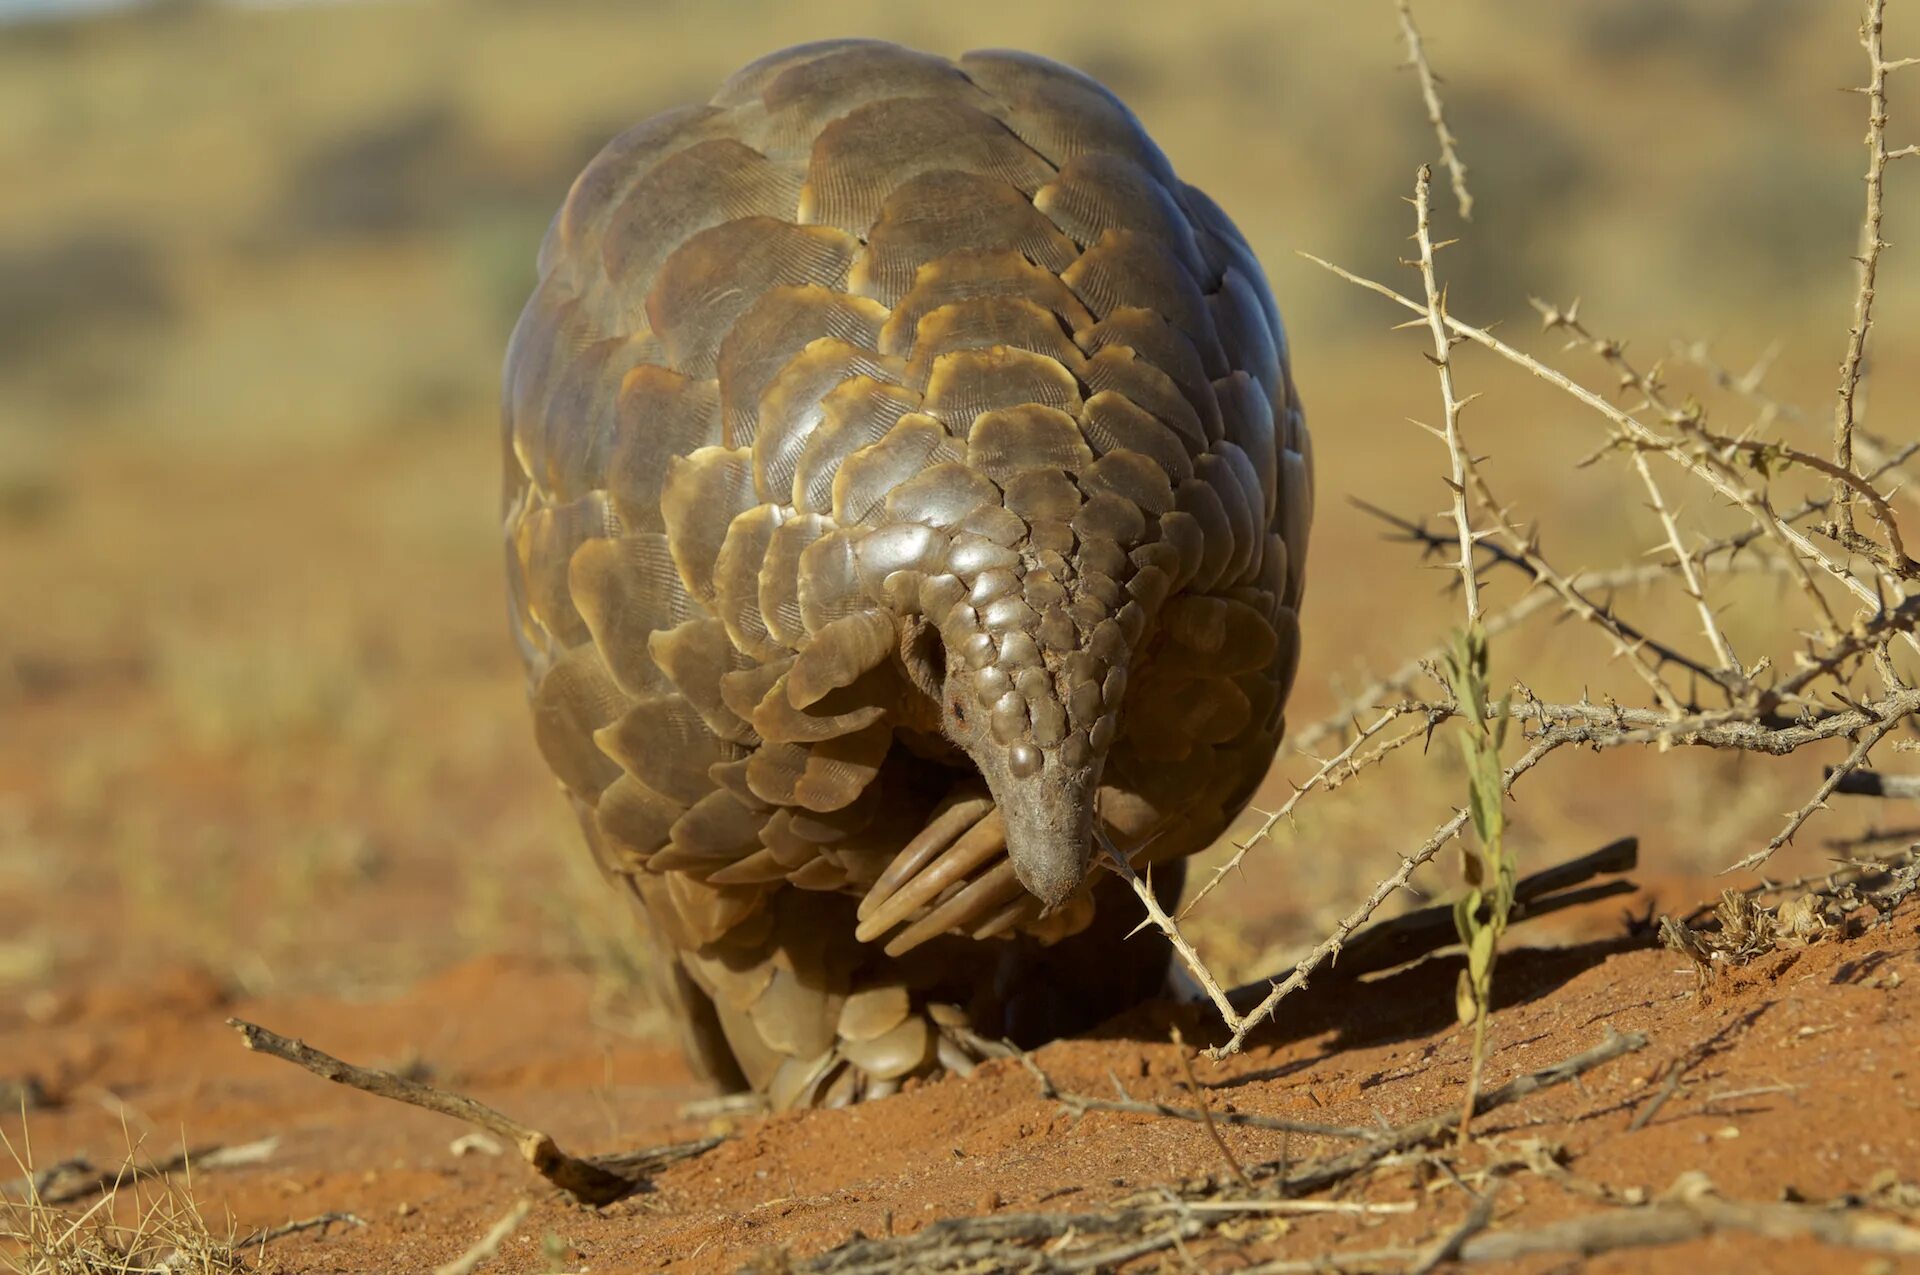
x: 596, y: 1181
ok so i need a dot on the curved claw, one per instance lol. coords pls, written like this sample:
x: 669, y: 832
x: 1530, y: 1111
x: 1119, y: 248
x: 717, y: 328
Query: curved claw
x: 980, y: 843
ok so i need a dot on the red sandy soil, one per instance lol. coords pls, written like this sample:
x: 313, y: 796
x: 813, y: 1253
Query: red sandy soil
x: 1801, y: 1074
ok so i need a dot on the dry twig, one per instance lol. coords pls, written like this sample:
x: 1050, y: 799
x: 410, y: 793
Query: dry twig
x: 597, y: 1181
x: 1006, y: 1241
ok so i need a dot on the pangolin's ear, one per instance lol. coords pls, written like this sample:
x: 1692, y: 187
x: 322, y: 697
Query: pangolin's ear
x: 924, y: 655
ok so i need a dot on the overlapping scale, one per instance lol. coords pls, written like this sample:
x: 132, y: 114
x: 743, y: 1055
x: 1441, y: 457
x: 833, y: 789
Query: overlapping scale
x: 861, y: 484
x: 947, y: 211
x: 1129, y: 269
x: 823, y: 776
x: 748, y: 85
x: 1250, y: 345
x: 808, y: 95
x: 703, y: 493
x: 978, y: 275
x: 863, y: 157
x: 1114, y: 423
x: 1146, y: 335
x: 601, y: 185
x: 771, y: 332
x: 576, y: 699
x: 987, y: 323
x: 548, y: 538
x: 716, y: 830
x: 968, y: 383
x: 1246, y: 414
x: 1060, y: 112
x: 663, y: 742
x: 713, y: 278
x: 661, y: 415
x: 695, y: 656
x: 780, y: 577
x: 736, y: 581
x: 635, y: 822
x: 838, y: 655
x: 840, y: 711
x: 858, y: 414
x: 828, y: 379
x: 694, y: 189
x: 1117, y: 369
x: 1099, y: 191
x: 1004, y: 442
x: 627, y: 589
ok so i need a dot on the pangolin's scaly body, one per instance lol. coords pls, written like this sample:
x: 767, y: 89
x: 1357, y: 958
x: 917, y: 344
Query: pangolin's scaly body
x: 905, y: 483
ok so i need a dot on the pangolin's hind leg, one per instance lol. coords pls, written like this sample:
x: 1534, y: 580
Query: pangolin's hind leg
x: 690, y: 1005
x: 811, y: 1016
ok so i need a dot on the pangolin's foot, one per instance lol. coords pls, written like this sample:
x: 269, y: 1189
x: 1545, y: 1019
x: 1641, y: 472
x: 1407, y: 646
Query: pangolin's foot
x: 882, y: 1040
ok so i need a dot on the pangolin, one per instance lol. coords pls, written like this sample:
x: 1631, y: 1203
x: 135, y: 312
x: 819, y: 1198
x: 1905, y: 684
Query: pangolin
x: 905, y: 490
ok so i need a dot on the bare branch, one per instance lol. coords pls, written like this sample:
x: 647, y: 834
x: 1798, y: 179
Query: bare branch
x: 1868, y: 738
x: 1873, y: 783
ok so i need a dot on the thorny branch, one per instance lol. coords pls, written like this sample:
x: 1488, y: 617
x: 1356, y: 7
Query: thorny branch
x: 1436, y: 111
x: 1331, y: 945
x: 1775, y: 702
x: 1450, y: 401
x: 1852, y: 363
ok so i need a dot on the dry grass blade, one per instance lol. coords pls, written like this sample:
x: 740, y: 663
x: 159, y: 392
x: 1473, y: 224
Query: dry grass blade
x: 1206, y: 1113
x: 76, y: 1180
x: 487, y: 1247
x: 168, y: 1231
x: 319, y: 1222
x: 1696, y: 1215
x: 1081, y: 1104
x: 1318, y: 1175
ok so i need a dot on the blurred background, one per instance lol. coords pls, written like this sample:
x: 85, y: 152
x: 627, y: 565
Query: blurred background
x: 258, y: 263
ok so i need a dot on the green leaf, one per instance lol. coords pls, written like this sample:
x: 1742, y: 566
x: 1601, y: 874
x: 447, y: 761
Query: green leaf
x: 1466, y: 1005
x: 1480, y: 953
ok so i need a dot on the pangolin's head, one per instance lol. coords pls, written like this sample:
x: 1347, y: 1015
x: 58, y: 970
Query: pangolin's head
x: 1027, y: 635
